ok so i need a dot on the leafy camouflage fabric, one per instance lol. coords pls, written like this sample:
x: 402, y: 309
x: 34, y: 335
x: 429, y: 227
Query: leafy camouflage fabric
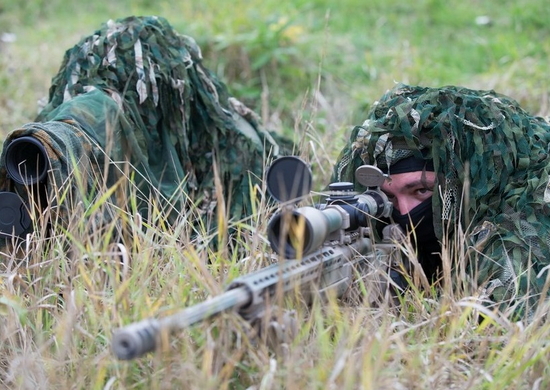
x: 492, y: 162
x: 137, y: 92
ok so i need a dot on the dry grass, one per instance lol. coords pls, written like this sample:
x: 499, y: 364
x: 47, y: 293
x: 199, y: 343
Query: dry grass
x: 62, y: 294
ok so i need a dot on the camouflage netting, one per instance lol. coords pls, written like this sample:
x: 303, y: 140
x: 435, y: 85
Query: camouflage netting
x: 136, y: 90
x: 481, y: 142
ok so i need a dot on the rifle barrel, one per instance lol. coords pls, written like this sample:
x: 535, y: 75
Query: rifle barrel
x: 141, y: 337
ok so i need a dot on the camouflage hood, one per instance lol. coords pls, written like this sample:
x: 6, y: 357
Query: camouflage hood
x: 492, y: 162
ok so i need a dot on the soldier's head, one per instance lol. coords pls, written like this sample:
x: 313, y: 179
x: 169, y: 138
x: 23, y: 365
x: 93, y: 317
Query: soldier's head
x: 467, y: 150
x: 490, y: 170
x: 410, y: 186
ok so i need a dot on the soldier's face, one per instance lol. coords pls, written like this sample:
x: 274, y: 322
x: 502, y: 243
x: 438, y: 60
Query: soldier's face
x: 407, y: 190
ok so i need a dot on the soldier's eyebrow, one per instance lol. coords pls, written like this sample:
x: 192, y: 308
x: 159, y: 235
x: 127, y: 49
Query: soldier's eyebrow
x: 428, y: 184
x: 391, y: 191
x: 422, y: 182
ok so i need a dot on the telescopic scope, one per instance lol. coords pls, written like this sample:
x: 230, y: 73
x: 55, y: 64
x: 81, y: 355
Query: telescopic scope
x: 298, y: 232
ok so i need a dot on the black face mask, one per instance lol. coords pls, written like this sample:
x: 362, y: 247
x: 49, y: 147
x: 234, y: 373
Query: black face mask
x: 420, y: 220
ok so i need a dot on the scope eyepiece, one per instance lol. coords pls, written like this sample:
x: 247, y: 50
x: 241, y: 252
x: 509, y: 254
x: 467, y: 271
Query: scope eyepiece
x: 26, y: 160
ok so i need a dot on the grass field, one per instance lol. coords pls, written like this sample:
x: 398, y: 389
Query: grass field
x: 312, y: 68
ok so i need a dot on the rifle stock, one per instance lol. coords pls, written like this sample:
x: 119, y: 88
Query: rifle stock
x: 332, y: 244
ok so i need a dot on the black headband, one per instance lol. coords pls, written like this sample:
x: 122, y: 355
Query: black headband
x: 410, y: 164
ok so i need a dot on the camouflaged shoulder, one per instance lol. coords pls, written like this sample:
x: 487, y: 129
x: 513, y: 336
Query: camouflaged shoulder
x: 482, y: 143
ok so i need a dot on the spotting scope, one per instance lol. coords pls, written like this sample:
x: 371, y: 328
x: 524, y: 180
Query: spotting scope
x: 27, y: 164
x: 26, y: 161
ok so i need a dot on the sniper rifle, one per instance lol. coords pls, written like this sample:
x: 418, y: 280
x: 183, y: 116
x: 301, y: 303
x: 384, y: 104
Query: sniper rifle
x: 324, y: 247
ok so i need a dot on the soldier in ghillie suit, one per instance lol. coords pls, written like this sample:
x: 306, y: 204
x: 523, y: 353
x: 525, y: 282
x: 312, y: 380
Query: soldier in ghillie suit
x: 461, y: 160
x: 134, y: 101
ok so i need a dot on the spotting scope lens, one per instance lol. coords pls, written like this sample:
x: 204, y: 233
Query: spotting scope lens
x: 26, y: 160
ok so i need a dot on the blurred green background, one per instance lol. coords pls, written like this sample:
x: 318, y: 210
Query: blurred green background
x: 313, y: 67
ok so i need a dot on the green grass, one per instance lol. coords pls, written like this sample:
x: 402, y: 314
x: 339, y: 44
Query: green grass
x: 310, y: 67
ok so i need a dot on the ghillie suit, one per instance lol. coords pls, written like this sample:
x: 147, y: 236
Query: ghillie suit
x: 134, y: 101
x: 492, y: 164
